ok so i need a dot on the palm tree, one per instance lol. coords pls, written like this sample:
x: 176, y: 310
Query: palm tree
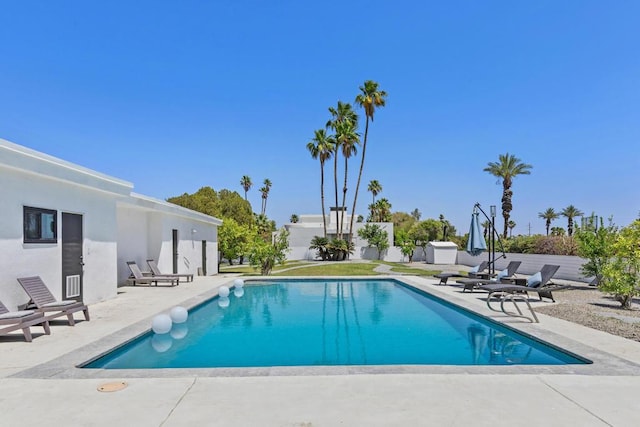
x: 507, y: 168
x: 342, y: 113
x: 264, y: 226
x: 486, y: 225
x: 370, y: 98
x: 570, y: 212
x: 511, y: 226
x: 416, y: 214
x: 380, y: 211
x: 321, y: 147
x: 294, y: 218
x: 548, y: 215
x: 265, y: 194
x: 374, y: 188
x: 246, y: 183
x: 349, y: 139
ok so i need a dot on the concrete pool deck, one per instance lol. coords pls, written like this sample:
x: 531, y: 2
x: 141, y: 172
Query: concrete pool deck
x: 38, y: 380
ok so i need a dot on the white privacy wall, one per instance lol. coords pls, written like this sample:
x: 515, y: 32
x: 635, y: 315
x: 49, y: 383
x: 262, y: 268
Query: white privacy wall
x: 532, y: 263
x: 301, y: 234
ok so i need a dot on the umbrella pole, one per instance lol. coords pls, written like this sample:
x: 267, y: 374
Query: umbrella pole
x: 489, y: 253
x: 492, y: 249
x: 493, y: 243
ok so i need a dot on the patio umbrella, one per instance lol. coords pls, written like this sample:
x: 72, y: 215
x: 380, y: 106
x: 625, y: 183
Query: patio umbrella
x: 476, y: 243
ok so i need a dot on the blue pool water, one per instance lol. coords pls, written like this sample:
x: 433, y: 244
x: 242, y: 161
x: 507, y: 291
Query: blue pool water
x: 331, y: 322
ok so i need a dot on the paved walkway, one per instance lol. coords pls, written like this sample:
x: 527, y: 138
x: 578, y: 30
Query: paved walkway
x: 36, y: 386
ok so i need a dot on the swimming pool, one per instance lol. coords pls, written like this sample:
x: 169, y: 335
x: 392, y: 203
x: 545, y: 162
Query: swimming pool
x: 331, y: 322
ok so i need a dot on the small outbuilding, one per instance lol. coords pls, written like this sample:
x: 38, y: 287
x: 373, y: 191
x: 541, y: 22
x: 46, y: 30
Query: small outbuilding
x: 442, y: 253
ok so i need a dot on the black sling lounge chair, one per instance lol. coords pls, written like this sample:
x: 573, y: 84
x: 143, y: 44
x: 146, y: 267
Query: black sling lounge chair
x: 507, y: 273
x: 473, y: 273
x: 539, y: 283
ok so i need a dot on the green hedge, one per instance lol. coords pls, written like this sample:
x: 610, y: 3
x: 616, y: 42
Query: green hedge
x: 538, y: 244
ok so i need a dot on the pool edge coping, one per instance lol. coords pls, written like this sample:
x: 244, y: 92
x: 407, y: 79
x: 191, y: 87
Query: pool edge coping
x: 66, y: 366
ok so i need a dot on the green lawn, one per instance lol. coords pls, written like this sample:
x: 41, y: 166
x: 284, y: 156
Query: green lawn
x: 332, y: 269
x: 248, y: 270
x: 399, y: 268
x: 318, y: 268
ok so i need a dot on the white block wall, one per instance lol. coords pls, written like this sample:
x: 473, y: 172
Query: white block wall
x: 144, y: 234
x: 532, y: 263
x: 111, y: 234
x: 20, y: 259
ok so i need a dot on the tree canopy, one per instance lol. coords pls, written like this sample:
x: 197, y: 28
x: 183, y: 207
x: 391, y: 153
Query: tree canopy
x: 223, y: 204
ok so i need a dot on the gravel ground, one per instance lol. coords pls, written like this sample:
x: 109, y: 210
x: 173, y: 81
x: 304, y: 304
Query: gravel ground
x: 588, y: 306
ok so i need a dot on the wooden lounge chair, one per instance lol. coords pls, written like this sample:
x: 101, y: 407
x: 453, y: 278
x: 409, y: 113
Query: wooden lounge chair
x: 45, y: 302
x: 155, y: 271
x: 446, y: 275
x: 474, y: 283
x: 22, y: 319
x: 139, y: 278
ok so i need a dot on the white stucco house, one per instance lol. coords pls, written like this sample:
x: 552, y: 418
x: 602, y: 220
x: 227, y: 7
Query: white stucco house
x: 76, y: 228
x: 302, y: 232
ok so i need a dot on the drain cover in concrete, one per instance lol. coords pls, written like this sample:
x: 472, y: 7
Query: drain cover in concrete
x: 109, y: 387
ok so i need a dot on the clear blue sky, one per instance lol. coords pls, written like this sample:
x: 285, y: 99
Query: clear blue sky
x: 176, y: 95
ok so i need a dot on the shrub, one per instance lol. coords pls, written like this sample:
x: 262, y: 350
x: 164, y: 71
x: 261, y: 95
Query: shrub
x: 556, y: 245
x: 596, y: 245
x: 339, y: 248
x: 375, y: 236
x: 265, y: 255
x: 321, y: 245
x: 520, y: 244
x: 621, y: 273
x: 539, y: 244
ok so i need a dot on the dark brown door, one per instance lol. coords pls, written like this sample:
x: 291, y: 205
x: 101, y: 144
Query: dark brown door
x: 175, y: 251
x: 72, y: 261
x: 204, y: 257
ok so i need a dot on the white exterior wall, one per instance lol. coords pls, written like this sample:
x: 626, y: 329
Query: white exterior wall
x: 145, y: 231
x: 117, y: 226
x: 63, y: 191
x: 133, y: 238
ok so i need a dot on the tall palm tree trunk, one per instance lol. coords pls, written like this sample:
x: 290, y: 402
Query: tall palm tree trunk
x: 355, y: 195
x: 507, y: 206
x: 335, y: 181
x: 344, y: 196
x: 324, y: 218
